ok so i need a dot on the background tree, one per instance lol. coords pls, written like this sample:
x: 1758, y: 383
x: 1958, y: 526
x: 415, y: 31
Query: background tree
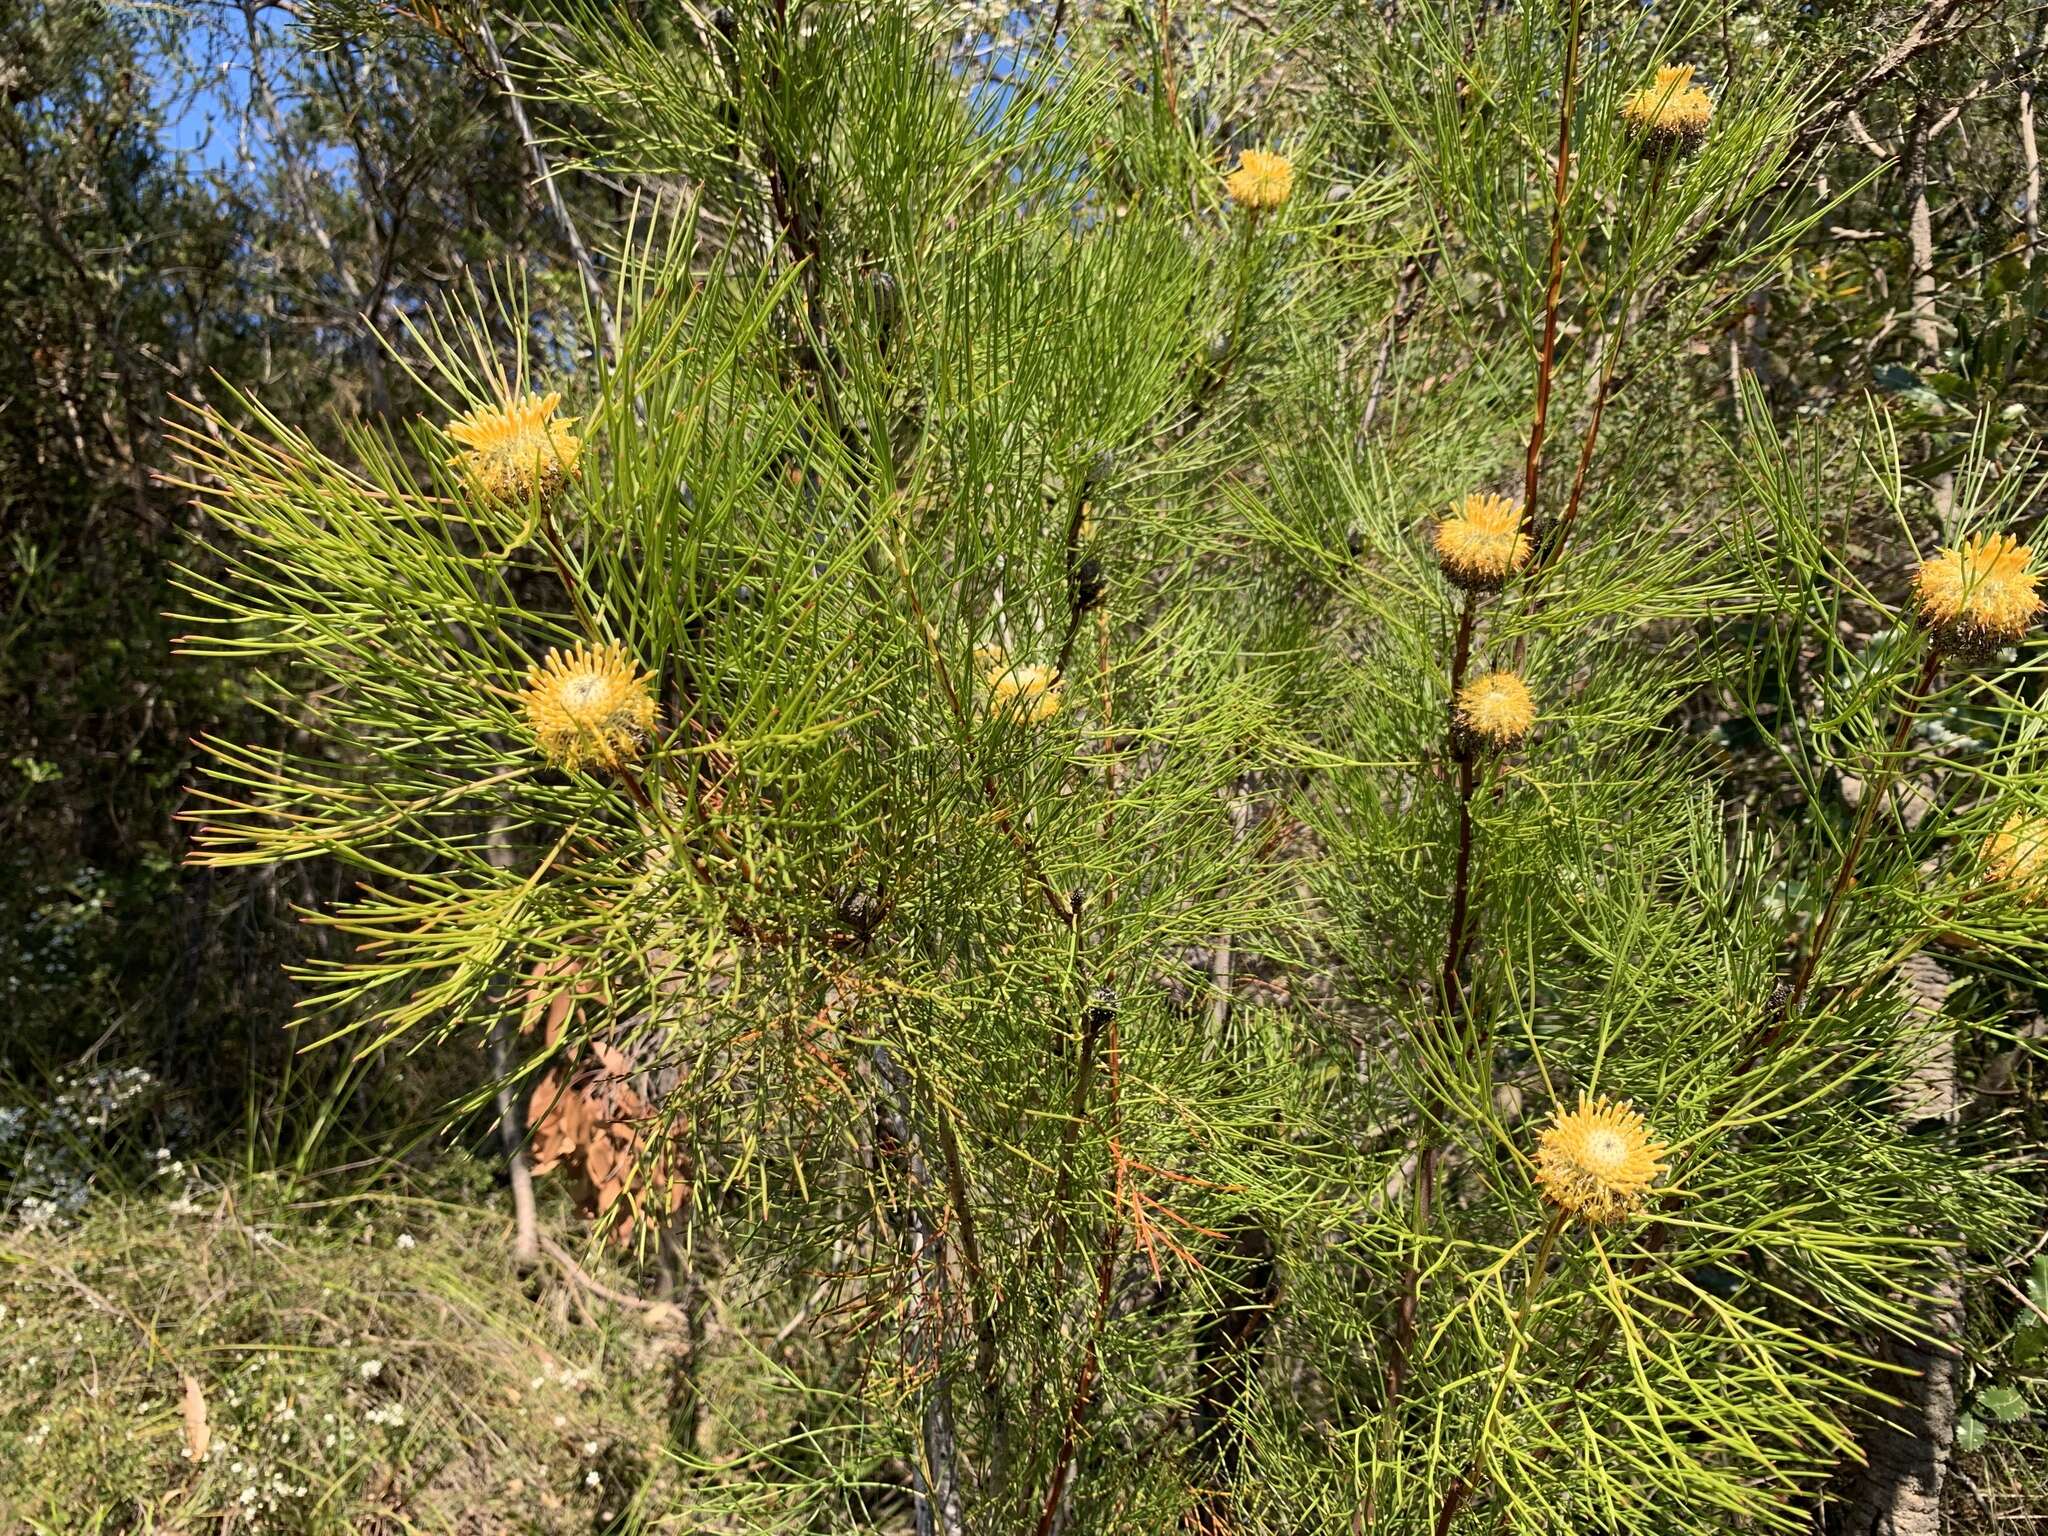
x: 170, y: 232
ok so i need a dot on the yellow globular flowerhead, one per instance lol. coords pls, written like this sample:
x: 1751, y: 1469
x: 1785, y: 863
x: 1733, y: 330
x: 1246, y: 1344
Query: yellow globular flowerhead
x: 1671, y: 113
x: 1597, y: 1162
x: 518, y: 451
x: 1978, y: 596
x: 1494, y: 713
x: 1261, y: 182
x: 2016, y: 857
x: 1482, y: 543
x: 590, y: 706
x: 1019, y: 691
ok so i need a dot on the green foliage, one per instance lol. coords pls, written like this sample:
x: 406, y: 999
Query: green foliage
x: 1144, y: 1093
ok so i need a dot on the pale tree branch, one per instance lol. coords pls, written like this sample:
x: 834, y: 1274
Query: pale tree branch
x: 537, y: 157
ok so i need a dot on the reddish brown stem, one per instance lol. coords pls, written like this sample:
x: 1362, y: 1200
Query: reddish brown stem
x: 970, y: 1246
x: 1093, y: 1019
x: 1553, y: 544
x: 1452, y: 985
x: 1454, y: 949
x: 1547, y: 359
x: 1452, y: 1001
x: 1453, y: 1497
x: 1084, y: 1385
x: 1461, y: 897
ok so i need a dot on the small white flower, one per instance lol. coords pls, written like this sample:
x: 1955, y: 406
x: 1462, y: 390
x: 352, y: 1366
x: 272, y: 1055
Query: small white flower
x: 370, y: 1370
x: 590, y: 1447
x: 591, y: 1479
x: 405, y: 1240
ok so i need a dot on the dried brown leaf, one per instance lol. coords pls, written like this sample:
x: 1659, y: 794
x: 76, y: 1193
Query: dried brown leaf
x: 198, y: 1436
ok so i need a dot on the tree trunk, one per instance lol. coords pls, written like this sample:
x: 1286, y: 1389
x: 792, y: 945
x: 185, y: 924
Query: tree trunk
x: 1907, y: 1448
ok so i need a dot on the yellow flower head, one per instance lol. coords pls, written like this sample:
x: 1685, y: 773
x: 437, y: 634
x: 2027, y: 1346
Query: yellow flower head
x: 1672, y: 113
x: 1261, y: 182
x: 518, y: 451
x: 1598, y: 1161
x: 2016, y: 856
x: 1494, y: 712
x: 1021, y: 691
x: 1482, y: 543
x: 1978, y: 596
x: 590, y: 706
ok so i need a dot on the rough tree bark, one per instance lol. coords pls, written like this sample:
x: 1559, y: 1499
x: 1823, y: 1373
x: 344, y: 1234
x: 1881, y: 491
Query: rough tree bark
x: 1907, y: 1448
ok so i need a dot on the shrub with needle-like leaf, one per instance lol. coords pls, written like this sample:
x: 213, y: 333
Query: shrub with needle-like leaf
x: 1200, y: 989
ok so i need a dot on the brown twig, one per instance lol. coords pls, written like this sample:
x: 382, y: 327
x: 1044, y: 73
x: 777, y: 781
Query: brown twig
x: 579, y: 1276
x: 1457, y: 938
x: 1547, y: 360
x: 1094, y: 1019
x: 1612, y: 346
x: 1226, y: 1341
x: 1930, y: 29
x: 1451, y: 1001
x: 970, y: 1245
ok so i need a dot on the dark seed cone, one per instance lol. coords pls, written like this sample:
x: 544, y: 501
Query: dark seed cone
x: 1672, y: 141
x: 1968, y: 643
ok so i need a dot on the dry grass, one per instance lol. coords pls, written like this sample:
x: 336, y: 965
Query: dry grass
x: 363, y: 1363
